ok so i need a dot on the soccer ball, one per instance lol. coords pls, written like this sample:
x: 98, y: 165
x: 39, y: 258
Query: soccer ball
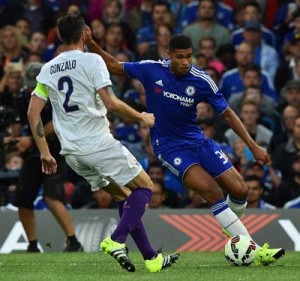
x: 240, y: 250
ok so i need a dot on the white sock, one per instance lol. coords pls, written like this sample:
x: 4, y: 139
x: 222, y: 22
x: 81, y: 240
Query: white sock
x: 228, y: 219
x: 238, y: 207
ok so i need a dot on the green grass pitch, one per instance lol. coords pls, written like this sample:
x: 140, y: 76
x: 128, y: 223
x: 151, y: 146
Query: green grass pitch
x: 204, y: 266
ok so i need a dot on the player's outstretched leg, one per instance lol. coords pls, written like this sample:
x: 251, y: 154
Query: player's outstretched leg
x: 117, y: 251
x: 266, y: 256
x: 161, y: 262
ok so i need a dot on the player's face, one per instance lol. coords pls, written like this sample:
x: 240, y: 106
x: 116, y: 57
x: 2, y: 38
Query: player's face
x: 181, y: 60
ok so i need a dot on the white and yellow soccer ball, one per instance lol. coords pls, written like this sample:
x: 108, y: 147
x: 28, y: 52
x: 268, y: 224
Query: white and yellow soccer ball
x: 240, y: 250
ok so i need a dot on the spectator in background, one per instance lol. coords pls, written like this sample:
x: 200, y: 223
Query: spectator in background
x: 265, y: 56
x: 208, y: 47
x: 201, y: 60
x: 23, y: 25
x: 265, y: 103
x: 290, y: 95
x: 268, y: 175
x: 255, y: 193
x: 98, y: 31
x: 41, y: 17
x: 250, y: 116
x: 295, y: 24
x: 114, y: 41
x: 10, y: 86
x: 11, y: 48
x: 287, y: 195
x: 31, y: 176
x: 207, y: 26
x: 232, y: 80
x: 251, y: 11
x: 283, y: 156
x: 8, y: 180
x: 158, y: 51
x: 290, y: 67
x: 223, y: 15
x: 113, y: 13
x: 158, y: 195
x: 38, y: 43
x: 160, y: 13
x: 174, y: 190
x: 289, y: 115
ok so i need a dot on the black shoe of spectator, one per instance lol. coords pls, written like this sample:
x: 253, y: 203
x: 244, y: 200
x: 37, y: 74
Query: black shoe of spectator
x: 73, y: 247
x: 33, y: 249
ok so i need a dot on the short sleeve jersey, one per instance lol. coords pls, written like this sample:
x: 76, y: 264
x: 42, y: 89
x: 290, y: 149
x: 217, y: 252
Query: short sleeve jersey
x: 71, y: 81
x: 173, y: 101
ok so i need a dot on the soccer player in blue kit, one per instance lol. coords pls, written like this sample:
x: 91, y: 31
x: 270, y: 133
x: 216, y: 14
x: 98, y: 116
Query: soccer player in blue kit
x: 173, y: 88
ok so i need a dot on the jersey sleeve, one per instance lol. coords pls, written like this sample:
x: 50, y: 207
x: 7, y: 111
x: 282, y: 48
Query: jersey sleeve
x: 41, y: 91
x: 137, y: 70
x: 99, y: 73
x: 213, y: 95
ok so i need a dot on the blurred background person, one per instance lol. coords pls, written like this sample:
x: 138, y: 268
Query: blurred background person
x: 255, y: 194
x: 158, y: 196
x: 232, y: 80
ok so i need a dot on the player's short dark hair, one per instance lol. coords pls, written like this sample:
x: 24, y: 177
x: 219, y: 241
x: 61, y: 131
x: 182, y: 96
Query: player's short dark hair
x: 70, y: 27
x: 180, y: 41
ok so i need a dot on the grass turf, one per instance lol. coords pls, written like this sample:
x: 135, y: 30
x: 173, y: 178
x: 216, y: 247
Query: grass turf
x: 97, y: 266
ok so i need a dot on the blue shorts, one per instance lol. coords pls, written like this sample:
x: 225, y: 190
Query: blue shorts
x: 207, y: 154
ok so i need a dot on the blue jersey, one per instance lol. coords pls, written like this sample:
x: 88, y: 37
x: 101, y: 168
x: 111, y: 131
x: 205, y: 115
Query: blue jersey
x: 173, y: 101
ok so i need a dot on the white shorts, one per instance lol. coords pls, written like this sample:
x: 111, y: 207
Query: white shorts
x: 114, y: 164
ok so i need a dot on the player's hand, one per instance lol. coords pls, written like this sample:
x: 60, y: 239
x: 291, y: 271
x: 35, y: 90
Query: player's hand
x: 49, y: 166
x: 261, y: 155
x: 148, y: 119
x: 88, y: 38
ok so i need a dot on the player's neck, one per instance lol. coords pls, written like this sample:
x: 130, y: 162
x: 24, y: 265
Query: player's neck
x: 73, y: 47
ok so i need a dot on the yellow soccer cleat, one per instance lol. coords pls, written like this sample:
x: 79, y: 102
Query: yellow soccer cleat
x: 266, y: 256
x: 117, y: 251
x: 161, y: 262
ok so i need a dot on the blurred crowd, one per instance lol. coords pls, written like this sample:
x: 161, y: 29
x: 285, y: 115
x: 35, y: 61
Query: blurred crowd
x: 251, y: 49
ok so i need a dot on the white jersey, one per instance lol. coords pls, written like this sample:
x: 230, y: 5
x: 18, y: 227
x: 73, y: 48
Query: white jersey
x: 79, y: 115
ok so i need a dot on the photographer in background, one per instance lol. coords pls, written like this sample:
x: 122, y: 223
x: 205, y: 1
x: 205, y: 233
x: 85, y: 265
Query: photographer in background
x: 9, y: 175
x: 31, y: 176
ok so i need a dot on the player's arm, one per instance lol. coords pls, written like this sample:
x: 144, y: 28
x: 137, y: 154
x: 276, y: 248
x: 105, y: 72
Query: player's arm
x: 113, y: 65
x: 116, y: 106
x: 238, y: 127
x: 35, y: 108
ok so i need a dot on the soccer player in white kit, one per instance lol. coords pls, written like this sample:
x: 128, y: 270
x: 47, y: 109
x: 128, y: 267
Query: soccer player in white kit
x: 79, y: 89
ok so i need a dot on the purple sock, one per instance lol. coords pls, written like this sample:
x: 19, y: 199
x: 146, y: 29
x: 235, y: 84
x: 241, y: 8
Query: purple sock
x: 140, y: 237
x: 133, y: 210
